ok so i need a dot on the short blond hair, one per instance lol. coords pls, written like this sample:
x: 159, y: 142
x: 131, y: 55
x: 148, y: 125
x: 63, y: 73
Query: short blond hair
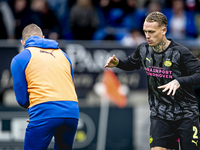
x: 31, y: 30
x: 157, y: 17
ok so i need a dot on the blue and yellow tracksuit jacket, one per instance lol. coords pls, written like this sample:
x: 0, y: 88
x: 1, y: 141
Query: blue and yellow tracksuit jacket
x: 43, y: 80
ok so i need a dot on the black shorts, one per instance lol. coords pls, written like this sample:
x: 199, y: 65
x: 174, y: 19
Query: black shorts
x: 164, y: 133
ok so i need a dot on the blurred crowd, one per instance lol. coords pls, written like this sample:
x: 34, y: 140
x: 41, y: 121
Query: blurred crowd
x: 120, y: 20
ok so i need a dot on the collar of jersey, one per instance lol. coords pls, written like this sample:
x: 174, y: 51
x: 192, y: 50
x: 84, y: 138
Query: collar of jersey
x: 36, y: 41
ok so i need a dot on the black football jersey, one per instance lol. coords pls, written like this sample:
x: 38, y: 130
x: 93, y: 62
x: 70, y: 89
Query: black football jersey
x: 176, y: 62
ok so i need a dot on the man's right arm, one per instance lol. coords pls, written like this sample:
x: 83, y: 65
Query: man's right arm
x: 18, y: 66
x: 129, y: 63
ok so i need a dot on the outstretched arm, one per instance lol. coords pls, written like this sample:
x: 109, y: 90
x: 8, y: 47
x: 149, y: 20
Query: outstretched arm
x: 129, y: 63
x: 112, y: 62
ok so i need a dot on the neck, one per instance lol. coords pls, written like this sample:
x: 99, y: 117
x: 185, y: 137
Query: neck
x: 162, y: 46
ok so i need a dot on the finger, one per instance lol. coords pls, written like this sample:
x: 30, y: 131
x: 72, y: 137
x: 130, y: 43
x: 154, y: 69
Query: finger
x: 106, y: 66
x: 162, y: 87
x: 169, y: 92
x: 165, y: 89
x: 114, y: 57
x: 174, y: 91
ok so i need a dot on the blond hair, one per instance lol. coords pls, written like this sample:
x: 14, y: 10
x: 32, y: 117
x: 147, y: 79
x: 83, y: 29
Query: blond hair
x: 31, y: 30
x: 157, y: 17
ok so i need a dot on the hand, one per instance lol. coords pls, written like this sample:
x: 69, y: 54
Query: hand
x: 171, y: 86
x: 111, y: 62
x: 27, y: 120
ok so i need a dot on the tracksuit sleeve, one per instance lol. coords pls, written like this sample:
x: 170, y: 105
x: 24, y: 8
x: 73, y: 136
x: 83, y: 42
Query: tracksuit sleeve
x: 18, y: 66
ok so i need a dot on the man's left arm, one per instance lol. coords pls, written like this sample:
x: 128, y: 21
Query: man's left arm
x: 191, y: 66
x: 72, y: 74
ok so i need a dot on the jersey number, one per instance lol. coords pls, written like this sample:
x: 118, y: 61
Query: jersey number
x: 195, y: 132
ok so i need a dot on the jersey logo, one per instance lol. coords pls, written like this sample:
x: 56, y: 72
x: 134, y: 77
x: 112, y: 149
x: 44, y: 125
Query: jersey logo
x: 167, y: 63
x: 149, y: 60
x: 41, y: 51
x: 150, y: 140
x: 195, y: 142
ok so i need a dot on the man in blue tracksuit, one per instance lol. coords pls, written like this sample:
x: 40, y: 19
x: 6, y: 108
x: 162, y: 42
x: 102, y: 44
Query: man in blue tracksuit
x: 43, y: 83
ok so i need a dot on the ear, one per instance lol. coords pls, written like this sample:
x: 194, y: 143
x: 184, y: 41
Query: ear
x: 23, y: 43
x: 164, y: 30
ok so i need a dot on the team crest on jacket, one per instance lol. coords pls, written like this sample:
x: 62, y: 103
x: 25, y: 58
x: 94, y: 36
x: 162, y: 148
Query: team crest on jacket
x: 167, y: 63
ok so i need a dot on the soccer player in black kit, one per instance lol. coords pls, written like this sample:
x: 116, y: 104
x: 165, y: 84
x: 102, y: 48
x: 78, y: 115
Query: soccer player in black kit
x: 171, y: 71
